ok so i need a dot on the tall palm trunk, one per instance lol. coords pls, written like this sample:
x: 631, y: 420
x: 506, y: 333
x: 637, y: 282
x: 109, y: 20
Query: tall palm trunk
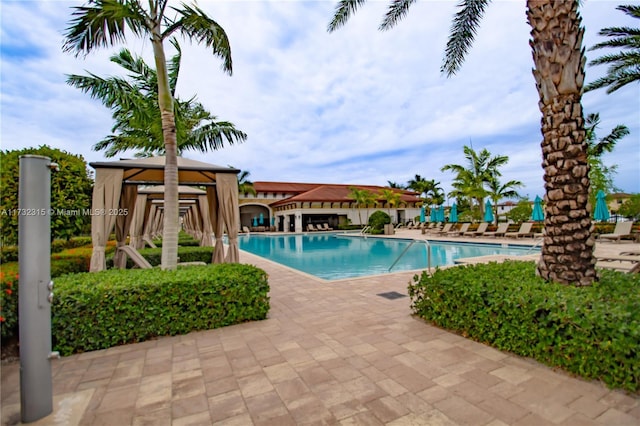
x: 171, y: 207
x: 567, y: 252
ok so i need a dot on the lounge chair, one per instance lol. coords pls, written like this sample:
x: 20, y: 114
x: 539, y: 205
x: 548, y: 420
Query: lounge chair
x: 311, y: 228
x: 524, y: 231
x: 502, y: 229
x: 457, y: 232
x: 482, y: 228
x: 246, y: 230
x: 325, y: 227
x: 622, y: 230
x: 445, y: 229
x: 624, y: 262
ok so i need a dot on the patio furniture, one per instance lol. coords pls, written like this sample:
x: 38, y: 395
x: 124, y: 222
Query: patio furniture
x: 311, y: 228
x: 325, y: 227
x: 624, y: 262
x: 502, y: 229
x: 136, y: 257
x: 445, y: 229
x: 482, y: 228
x: 524, y: 231
x: 458, y: 232
x: 622, y: 230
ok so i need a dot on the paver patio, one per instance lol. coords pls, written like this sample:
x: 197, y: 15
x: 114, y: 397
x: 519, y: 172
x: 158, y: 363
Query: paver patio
x: 329, y: 353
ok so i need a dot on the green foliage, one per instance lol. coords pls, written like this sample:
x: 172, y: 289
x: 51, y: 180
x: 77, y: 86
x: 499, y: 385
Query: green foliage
x: 71, y: 189
x: 10, y: 253
x: 185, y: 254
x: 104, y: 309
x: 521, y: 212
x: 631, y: 207
x: 377, y: 220
x: 591, y: 331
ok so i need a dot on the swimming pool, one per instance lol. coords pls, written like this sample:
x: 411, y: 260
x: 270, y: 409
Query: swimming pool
x: 338, y: 256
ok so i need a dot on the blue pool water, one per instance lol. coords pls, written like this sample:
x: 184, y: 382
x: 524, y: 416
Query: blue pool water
x: 338, y: 256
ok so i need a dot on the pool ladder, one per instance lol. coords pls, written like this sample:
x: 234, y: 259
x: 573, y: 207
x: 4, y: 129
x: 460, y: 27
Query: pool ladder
x: 365, y: 230
x: 407, y: 249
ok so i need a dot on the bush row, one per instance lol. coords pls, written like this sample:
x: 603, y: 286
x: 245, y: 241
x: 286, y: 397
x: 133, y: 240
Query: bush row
x: 10, y: 253
x: 590, y: 331
x: 73, y: 261
x: 114, y: 307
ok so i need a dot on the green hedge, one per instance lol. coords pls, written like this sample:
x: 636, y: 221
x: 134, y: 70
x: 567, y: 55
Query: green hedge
x: 185, y: 254
x: 100, y: 310
x: 10, y: 253
x: 590, y: 331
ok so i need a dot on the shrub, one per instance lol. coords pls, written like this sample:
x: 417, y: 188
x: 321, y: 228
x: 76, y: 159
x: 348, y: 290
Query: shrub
x: 185, y: 254
x: 590, y: 331
x: 377, y: 220
x: 114, y: 307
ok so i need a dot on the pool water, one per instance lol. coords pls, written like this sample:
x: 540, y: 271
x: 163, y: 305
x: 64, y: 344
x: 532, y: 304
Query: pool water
x: 339, y: 256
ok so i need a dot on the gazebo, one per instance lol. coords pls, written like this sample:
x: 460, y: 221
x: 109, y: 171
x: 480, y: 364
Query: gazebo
x: 116, y: 201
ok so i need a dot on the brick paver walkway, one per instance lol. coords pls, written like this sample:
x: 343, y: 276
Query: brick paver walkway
x: 329, y: 353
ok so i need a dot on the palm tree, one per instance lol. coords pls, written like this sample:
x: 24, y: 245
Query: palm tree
x: 102, y: 23
x: 245, y: 186
x: 362, y: 197
x: 480, y: 170
x: 601, y: 176
x: 567, y: 252
x: 497, y: 191
x: 392, y: 184
x: 138, y: 125
x: 430, y: 190
x: 624, y: 66
x: 393, y: 198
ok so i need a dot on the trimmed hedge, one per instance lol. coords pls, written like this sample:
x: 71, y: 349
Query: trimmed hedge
x: 590, y: 331
x: 104, y: 309
x: 185, y: 254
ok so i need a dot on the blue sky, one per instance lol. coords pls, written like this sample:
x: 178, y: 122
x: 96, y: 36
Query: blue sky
x: 354, y: 106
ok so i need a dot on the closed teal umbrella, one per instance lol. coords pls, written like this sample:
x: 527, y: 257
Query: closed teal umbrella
x: 434, y: 214
x: 261, y: 220
x: 422, y: 215
x: 537, y: 214
x: 441, y: 214
x: 453, y: 215
x: 488, y: 212
x: 601, y: 213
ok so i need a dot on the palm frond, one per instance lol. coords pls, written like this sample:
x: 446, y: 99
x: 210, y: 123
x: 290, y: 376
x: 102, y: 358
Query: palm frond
x: 344, y: 10
x: 194, y: 24
x: 397, y: 10
x: 102, y: 23
x: 173, y: 68
x: 212, y: 136
x: 463, y: 31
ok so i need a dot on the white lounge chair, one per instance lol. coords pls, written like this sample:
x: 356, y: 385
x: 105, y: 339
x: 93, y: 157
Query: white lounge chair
x: 502, y: 229
x: 622, y: 230
x: 524, y: 231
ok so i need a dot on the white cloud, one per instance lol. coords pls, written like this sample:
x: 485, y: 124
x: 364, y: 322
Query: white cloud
x: 353, y: 106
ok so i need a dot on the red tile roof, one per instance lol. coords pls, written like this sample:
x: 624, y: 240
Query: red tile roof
x: 307, y: 192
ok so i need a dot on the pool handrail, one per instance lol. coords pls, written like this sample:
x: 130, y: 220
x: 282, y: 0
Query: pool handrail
x: 413, y: 241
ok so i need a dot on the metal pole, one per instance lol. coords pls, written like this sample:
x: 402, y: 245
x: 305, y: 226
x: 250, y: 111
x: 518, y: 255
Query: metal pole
x: 35, y: 287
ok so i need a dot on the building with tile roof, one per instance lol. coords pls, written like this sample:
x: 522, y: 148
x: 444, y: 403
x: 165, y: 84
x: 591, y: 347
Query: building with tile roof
x: 292, y: 206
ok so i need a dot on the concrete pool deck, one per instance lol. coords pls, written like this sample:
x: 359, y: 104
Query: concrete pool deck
x: 329, y: 353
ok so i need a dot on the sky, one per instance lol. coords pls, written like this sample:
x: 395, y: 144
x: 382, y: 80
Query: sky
x: 357, y: 106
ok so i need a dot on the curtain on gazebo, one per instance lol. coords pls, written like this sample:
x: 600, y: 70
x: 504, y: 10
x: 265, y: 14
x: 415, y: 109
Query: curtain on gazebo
x: 216, y: 224
x: 105, y: 202
x: 203, y: 205
x: 227, y: 191
x: 123, y: 222
x: 137, y: 222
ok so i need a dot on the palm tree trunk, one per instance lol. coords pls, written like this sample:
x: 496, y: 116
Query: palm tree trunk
x: 567, y: 252
x: 171, y: 203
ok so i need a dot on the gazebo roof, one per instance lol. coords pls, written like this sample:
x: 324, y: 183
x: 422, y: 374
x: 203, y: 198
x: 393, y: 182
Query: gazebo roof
x: 184, y: 192
x: 151, y: 171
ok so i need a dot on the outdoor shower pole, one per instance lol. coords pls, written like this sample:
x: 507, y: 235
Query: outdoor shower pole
x: 35, y: 287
